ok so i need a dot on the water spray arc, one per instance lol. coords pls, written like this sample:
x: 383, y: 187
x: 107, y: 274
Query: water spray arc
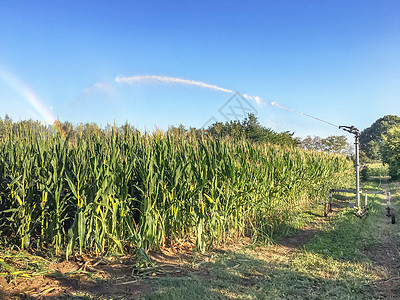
x: 181, y: 81
x: 303, y: 114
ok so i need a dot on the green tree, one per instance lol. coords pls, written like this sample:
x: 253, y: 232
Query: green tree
x: 311, y: 143
x: 251, y: 129
x: 91, y: 129
x: 333, y: 144
x: 390, y: 151
x: 371, y: 137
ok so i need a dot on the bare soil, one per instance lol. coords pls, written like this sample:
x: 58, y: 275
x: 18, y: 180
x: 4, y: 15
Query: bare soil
x: 96, y: 278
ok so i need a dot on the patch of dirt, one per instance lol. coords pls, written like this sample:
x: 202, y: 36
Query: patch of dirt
x: 106, y: 279
x: 97, y: 278
x: 289, y: 244
x: 250, y: 279
x: 294, y: 242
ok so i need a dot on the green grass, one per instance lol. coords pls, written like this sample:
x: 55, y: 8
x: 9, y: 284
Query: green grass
x: 346, y: 238
x: 376, y: 169
x: 334, y: 264
x: 243, y: 276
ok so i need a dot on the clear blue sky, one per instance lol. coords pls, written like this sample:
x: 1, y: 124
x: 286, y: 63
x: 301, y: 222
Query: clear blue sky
x: 336, y: 60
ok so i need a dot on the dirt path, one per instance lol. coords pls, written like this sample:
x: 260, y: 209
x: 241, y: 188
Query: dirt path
x: 386, y: 257
x: 289, y: 244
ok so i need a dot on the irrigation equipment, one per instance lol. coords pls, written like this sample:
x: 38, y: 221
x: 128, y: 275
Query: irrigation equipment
x: 356, y: 132
x: 360, y: 210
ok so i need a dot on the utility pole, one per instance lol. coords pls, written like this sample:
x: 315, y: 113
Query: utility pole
x: 356, y: 132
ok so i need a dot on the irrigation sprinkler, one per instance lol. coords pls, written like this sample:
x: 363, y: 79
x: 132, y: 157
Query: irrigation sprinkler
x: 360, y: 212
x: 356, y: 132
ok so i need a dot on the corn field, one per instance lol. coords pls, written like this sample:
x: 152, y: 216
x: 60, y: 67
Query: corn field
x: 129, y: 191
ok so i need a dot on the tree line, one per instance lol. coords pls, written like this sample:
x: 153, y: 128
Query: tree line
x: 381, y: 142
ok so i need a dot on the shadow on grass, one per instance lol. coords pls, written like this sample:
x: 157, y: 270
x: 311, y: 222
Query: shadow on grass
x: 342, y: 198
x: 240, y: 276
x: 323, y: 264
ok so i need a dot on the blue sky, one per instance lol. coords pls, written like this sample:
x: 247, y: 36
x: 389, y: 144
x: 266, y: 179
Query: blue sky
x: 336, y: 60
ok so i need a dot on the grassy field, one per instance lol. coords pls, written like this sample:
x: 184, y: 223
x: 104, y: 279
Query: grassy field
x: 346, y: 258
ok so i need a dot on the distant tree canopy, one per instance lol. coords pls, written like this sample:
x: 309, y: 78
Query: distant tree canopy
x: 251, y: 129
x: 372, y: 137
x: 390, y: 151
x: 332, y: 144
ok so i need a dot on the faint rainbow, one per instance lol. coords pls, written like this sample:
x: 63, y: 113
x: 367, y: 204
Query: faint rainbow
x: 29, y: 95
